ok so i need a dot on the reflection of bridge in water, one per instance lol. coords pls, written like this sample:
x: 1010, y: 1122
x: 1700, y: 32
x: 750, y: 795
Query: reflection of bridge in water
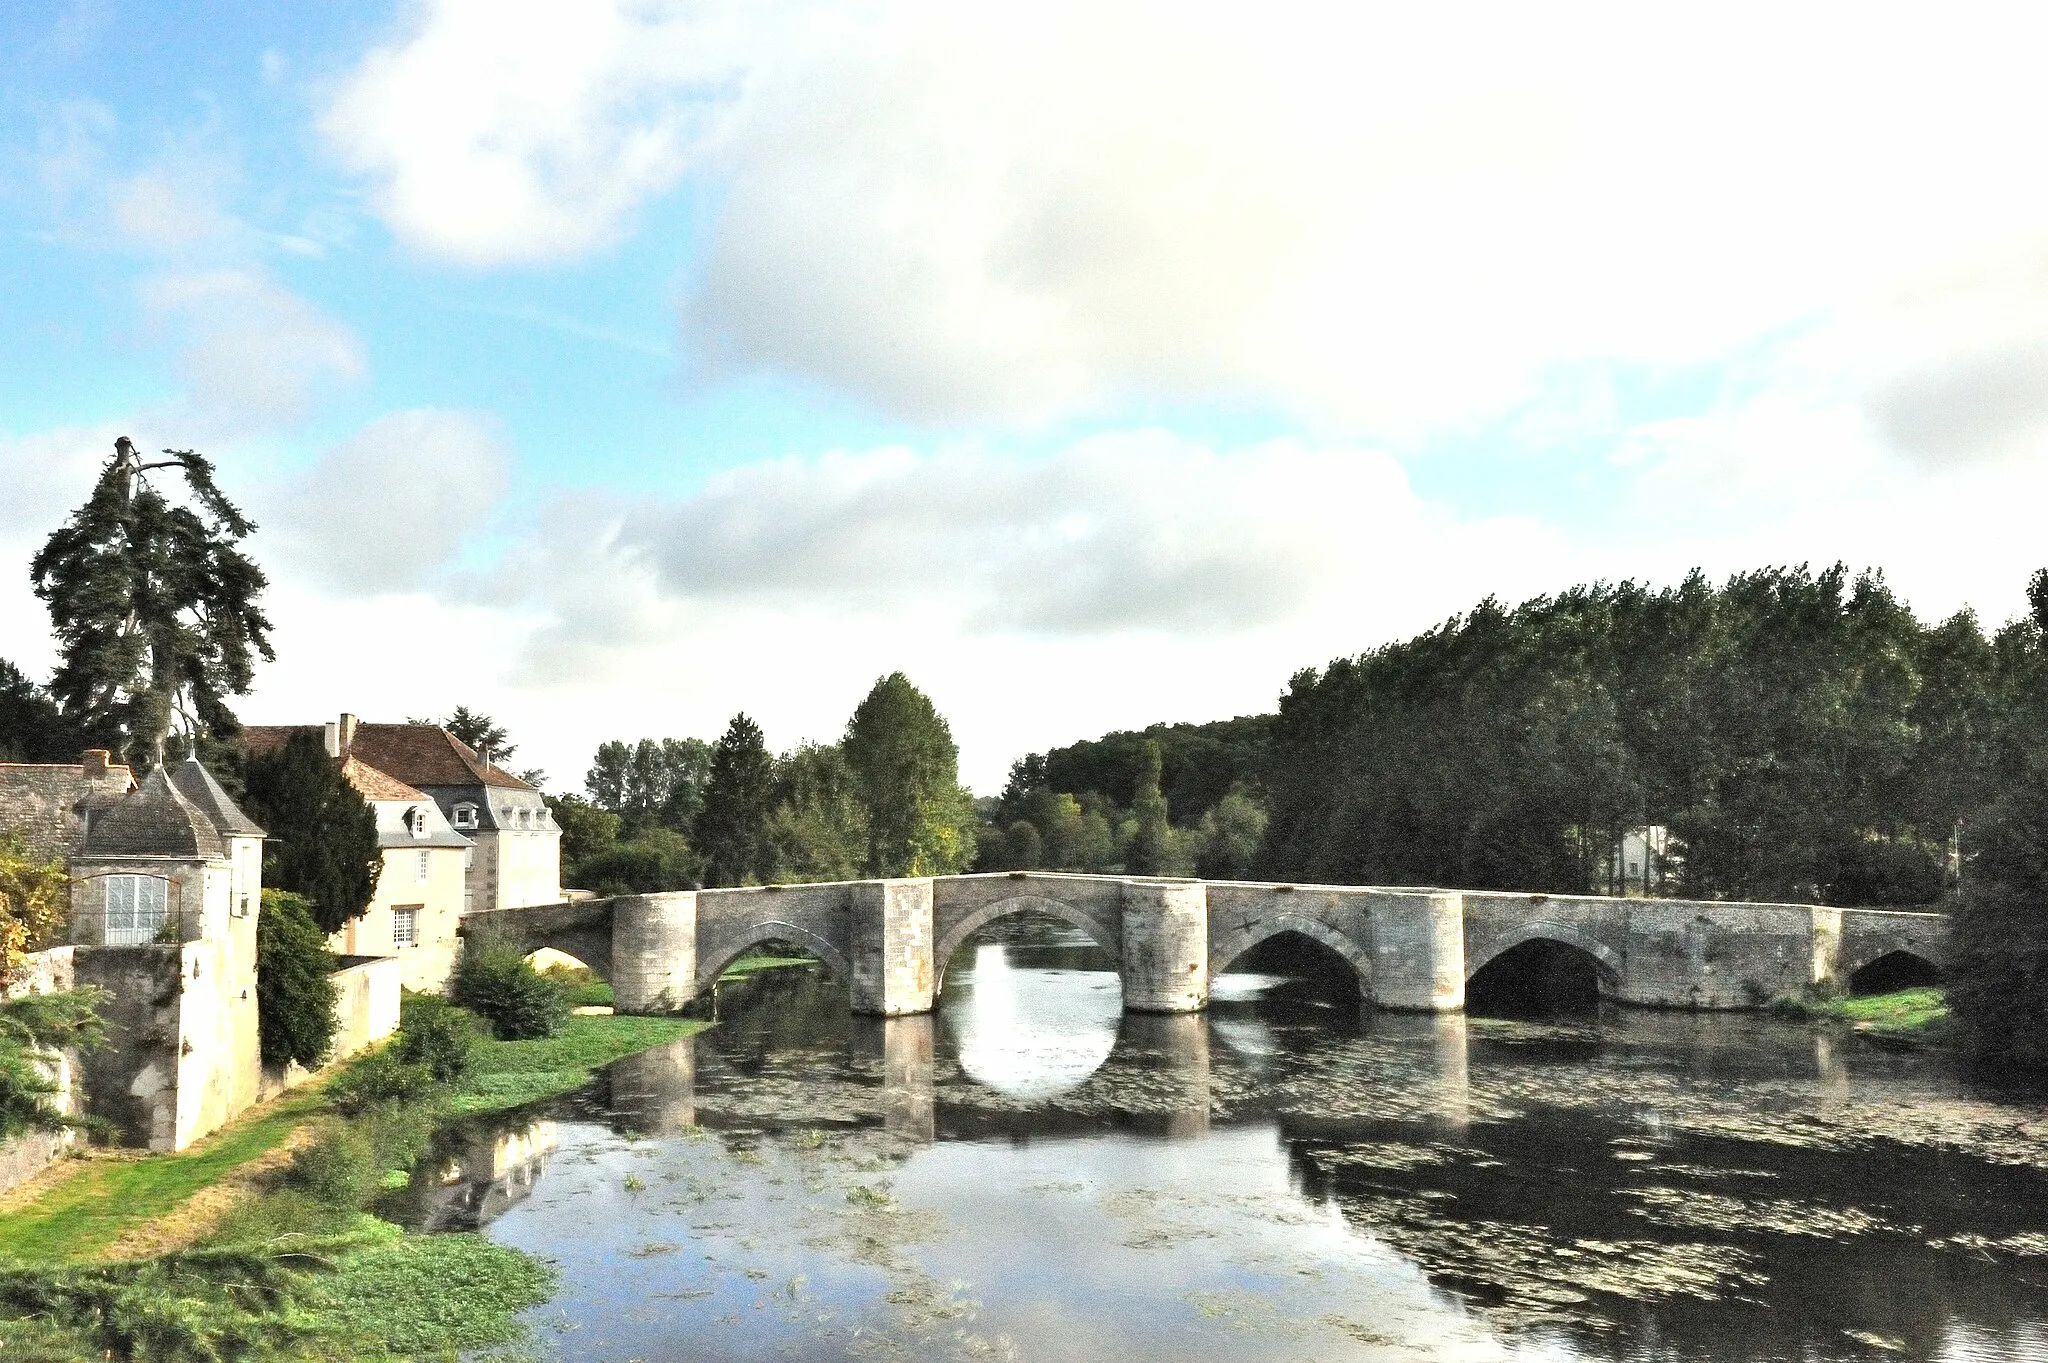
x: 1411, y: 949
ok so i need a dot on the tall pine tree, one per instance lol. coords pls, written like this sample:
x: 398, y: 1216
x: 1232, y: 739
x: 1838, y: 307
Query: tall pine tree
x: 154, y: 607
x: 323, y: 835
x: 731, y: 831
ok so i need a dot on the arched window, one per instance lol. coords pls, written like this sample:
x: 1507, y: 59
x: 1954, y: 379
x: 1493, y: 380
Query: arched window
x: 465, y: 816
x: 416, y: 819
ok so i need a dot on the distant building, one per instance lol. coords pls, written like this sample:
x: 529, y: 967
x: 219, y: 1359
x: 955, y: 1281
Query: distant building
x: 518, y: 848
x: 420, y: 893
x: 1645, y: 858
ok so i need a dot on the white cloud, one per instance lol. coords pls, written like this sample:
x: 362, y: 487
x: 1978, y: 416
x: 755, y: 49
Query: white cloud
x: 1386, y: 217
x: 254, y: 355
x: 392, y: 506
x: 516, y: 132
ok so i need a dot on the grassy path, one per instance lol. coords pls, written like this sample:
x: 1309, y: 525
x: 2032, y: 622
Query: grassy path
x: 101, y: 1199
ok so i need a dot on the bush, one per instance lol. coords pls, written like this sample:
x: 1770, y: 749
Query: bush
x: 494, y: 980
x: 380, y: 1078
x: 340, y: 1169
x: 295, y: 999
x: 437, y: 1035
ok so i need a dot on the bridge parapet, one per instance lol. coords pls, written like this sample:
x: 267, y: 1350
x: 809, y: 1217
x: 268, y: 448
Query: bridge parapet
x: 1412, y: 949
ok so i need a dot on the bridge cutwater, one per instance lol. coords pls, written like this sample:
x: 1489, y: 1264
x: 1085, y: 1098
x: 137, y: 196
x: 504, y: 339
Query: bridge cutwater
x: 1412, y: 949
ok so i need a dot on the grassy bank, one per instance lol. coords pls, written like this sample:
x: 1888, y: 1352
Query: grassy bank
x: 301, y: 1270
x: 1913, y: 1016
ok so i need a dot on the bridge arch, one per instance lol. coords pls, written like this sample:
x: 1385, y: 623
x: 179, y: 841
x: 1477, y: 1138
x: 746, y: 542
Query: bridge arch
x: 1885, y: 971
x: 1227, y: 951
x: 709, y: 968
x: 1608, y: 962
x: 952, y: 939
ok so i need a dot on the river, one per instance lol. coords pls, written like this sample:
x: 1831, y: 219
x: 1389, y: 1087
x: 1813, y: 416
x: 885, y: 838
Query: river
x: 1028, y: 1174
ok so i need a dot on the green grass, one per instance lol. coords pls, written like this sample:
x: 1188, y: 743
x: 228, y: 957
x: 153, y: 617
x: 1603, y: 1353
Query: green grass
x: 506, y: 1074
x: 1914, y: 1014
x: 103, y: 1199
x: 743, y: 966
x: 424, y: 1296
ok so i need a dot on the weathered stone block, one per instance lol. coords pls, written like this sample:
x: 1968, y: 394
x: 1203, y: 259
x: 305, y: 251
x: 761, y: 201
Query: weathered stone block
x: 1166, y: 947
x: 654, y: 952
x: 890, y: 934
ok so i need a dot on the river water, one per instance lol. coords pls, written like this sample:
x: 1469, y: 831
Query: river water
x: 1029, y: 1174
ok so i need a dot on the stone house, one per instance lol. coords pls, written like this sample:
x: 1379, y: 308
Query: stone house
x: 517, y: 859
x: 420, y: 892
x: 165, y: 892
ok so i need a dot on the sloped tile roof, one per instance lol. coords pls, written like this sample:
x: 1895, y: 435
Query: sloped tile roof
x: 41, y: 801
x: 196, y: 784
x: 154, y: 821
x: 417, y: 754
x: 372, y: 784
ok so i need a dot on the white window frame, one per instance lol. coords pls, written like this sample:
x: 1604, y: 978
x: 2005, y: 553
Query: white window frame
x: 425, y: 866
x: 465, y: 816
x: 417, y: 818
x: 405, y: 927
x: 134, y: 909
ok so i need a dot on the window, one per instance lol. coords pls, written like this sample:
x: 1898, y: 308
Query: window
x: 405, y: 926
x: 417, y: 819
x: 136, y: 909
x: 424, y: 863
x: 465, y: 816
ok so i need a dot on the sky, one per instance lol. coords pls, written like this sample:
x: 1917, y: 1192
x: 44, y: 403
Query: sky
x: 612, y: 366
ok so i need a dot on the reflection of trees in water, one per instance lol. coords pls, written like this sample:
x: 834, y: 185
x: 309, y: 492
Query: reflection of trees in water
x: 1704, y: 1250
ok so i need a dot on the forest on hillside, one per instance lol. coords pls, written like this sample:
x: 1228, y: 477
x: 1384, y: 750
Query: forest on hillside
x: 1801, y: 734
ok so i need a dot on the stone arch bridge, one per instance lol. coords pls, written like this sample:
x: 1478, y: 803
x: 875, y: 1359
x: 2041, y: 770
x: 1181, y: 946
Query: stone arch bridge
x: 1412, y: 949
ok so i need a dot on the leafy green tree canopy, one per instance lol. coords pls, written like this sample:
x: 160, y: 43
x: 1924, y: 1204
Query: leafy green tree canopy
x: 154, y: 607
x: 906, y: 769
x: 296, y: 1004
x: 33, y: 727
x: 323, y: 835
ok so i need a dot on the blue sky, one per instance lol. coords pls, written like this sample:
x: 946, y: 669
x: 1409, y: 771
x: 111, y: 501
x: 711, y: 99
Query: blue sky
x: 617, y: 367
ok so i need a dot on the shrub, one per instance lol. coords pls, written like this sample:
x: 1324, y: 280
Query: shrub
x: 494, y: 980
x: 437, y: 1035
x: 339, y: 1169
x: 382, y: 1077
x: 295, y: 999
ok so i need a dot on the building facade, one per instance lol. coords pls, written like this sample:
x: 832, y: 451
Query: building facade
x: 421, y: 890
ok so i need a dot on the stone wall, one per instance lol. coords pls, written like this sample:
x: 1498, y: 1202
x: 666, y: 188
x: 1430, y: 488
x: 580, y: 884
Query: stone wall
x: 366, y: 991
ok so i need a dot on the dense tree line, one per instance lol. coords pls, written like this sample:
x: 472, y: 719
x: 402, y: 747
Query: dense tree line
x: 1801, y: 734
x: 885, y: 800
x: 1173, y: 799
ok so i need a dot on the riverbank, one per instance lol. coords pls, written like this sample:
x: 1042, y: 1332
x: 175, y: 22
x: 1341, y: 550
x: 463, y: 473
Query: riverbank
x: 291, y: 1264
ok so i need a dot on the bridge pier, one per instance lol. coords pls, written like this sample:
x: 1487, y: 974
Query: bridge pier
x: 890, y: 935
x: 654, y: 952
x: 1166, y: 947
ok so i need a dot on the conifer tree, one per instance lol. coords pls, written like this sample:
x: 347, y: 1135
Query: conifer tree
x: 323, y: 835
x: 731, y: 830
x: 907, y: 770
x: 154, y: 607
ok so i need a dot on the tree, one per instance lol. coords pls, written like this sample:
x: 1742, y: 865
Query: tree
x: 481, y: 733
x: 651, y: 783
x: 34, y: 1030
x: 906, y: 769
x: 33, y: 727
x: 587, y: 830
x: 817, y: 827
x: 1231, y: 835
x: 154, y: 607
x: 35, y: 903
x: 731, y: 829
x: 1149, y: 847
x: 297, y: 1008
x: 323, y: 835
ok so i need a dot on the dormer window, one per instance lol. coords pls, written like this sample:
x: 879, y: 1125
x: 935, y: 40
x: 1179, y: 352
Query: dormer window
x: 416, y: 820
x: 465, y: 816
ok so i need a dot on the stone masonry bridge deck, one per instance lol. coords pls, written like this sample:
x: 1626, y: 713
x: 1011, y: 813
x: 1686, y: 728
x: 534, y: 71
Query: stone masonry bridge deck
x: 1412, y: 949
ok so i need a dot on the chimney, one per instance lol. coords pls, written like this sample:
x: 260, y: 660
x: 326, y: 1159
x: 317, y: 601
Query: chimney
x: 95, y: 763
x: 485, y: 754
x: 348, y: 733
x: 333, y: 736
